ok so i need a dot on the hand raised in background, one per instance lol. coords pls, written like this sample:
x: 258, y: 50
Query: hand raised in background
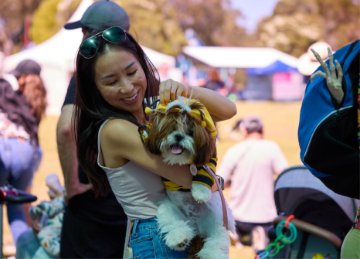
x: 333, y: 75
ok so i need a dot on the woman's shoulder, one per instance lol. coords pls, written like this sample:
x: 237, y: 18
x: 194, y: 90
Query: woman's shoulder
x: 117, y: 129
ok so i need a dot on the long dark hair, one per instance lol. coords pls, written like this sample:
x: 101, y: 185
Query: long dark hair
x: 91, y: 109
x: 18, y: 110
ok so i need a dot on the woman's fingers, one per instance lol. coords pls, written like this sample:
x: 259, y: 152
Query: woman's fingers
x: 171, y: 90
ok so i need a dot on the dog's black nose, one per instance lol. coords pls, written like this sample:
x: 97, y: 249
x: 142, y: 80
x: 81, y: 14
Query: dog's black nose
x: 179, y: 137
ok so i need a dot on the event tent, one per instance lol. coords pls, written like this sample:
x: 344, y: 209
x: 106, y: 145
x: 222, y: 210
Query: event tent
x: 241, y: 57
x: 271, y: 74
x: 57, y: 58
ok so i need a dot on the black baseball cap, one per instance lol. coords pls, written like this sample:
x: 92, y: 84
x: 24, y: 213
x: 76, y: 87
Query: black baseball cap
x: 100, y: 15
x: 27, y: 67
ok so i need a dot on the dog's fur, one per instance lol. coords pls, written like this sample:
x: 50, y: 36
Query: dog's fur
x: 184, y: 139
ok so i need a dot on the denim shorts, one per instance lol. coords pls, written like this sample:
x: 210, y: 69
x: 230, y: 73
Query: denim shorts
x: 146, y: 241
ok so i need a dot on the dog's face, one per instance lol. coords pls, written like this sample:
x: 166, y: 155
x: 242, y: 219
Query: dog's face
x: 179, y: 137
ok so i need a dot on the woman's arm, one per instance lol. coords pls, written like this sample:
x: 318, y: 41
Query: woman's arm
x: 220, y: 107
x: 121, y: 142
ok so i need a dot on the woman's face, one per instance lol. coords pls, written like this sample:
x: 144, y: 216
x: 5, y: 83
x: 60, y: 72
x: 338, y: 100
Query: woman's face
x: 121, y: 80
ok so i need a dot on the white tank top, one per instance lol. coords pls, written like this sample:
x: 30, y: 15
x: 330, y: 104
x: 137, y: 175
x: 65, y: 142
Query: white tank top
x: 136, y: 189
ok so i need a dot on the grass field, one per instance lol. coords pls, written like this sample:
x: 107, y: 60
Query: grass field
x: 280, y: 120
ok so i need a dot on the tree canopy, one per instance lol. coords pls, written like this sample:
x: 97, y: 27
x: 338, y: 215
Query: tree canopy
x: 296, y: 24
x: 164, y: 24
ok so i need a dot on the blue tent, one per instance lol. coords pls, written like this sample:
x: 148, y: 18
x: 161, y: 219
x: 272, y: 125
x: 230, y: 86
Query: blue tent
x: 275, y: 67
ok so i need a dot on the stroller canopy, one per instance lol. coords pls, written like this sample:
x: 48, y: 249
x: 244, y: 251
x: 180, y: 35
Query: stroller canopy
x: 300, y: 193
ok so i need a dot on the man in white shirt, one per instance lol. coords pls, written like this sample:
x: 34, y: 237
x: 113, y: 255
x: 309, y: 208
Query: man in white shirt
x: 249, y: 168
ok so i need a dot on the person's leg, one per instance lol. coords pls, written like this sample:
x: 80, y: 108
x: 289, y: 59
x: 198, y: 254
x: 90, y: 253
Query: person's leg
x: 4, y: 161
x: 37, y: 156
x: 259, y: 238
x: 21, y: 167
x: 259, y: 235
x: 27, y: 245
x: 243, y: 230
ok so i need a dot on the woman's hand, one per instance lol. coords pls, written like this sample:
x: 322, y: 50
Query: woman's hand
x: 169, y: 90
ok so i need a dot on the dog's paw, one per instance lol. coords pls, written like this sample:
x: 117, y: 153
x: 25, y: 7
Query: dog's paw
x: 200, y: 192
x: 179, y: 239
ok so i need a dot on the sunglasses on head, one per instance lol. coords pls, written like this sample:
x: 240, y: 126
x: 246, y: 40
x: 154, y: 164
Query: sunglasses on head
x: 90, y: 46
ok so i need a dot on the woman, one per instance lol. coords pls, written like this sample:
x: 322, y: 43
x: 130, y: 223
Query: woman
x: 19, y: 156
x: 114, y: 80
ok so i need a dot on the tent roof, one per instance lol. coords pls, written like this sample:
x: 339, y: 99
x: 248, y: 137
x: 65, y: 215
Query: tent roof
x: 239, y: 57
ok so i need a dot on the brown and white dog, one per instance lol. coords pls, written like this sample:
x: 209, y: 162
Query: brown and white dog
x: 183, y: 133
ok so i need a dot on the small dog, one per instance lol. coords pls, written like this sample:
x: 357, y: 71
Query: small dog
x: 183, y: 133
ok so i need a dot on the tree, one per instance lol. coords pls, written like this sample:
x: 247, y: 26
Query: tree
x: 296, y: 24
x: 158, y: 24
x: 16, y: 16
x: 214, y: 21
x: 153, y: 24
x: 34, y: 20
x: 161, y: 24
x: 50, y: 17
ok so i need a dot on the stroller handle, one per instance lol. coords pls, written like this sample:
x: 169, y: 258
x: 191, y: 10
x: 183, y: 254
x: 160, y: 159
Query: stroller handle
x: 9, y: 194
x: 310, y: 228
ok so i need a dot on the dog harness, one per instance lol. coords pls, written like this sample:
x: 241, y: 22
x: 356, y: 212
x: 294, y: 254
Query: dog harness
x: 203, y: 176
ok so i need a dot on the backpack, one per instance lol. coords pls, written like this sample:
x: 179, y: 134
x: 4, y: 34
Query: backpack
x: 328, y: 132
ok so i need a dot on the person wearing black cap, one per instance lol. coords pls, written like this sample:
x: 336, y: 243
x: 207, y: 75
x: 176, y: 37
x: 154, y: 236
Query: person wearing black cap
x: 92, y: 227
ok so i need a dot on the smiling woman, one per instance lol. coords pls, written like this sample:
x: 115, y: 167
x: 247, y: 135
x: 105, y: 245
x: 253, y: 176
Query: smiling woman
x: 114, y: 80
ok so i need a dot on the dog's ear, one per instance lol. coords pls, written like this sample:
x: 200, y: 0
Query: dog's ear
x: 153, y: 138
x: 205, y: 145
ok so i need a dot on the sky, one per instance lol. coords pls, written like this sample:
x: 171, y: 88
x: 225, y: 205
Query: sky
x: 253, y: 11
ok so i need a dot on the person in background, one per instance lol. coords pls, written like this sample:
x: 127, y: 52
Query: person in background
x: 19, y: 150
x: 249, y: 168
x: 214, y: 81
x: 31, y: 85
x: 93, y: 227
x: 114, y: 80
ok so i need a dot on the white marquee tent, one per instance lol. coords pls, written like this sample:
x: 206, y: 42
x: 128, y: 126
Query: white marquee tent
x: 57, y: 58
x: 239, y: 57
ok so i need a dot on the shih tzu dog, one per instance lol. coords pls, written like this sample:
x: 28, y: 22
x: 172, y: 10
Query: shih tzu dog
x: 183, y: 133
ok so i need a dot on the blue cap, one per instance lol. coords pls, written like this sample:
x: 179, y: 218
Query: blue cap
x: 100, y: 15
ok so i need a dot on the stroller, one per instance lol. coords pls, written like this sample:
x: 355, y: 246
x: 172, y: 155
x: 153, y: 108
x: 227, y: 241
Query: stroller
x: 322, y: 217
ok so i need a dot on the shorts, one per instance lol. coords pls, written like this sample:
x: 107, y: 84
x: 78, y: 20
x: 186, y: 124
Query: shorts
x: 146, y: 241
